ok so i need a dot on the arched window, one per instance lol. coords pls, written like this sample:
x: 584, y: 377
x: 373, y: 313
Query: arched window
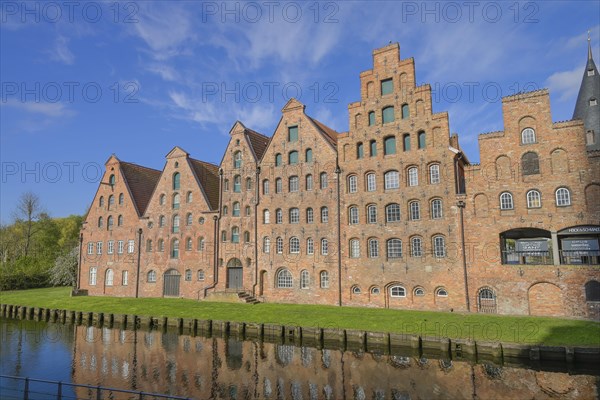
x: 189, y: 219
x: 248, y: 183
x: 371, y: 118
x: 413, y: 176
x: 188, y: 197
x: 391, y: 180
x: 371, y: 182
x: 100, y: 222
x: 397, y: 291
x: 266, y: 244
x: 279, y: 216
x: 246, y: 237
x: 527, y: 136
x: 534, y: 199
x: 188, y: 275
x: 436, y: 209
x: 439, y: 246
x: 304, y: 279
x: 356, y: 290
x: 419, y: 291
x: 373, y: 248
x: 352, y: 184
x: 266, y: 217
x: 405, y: 111
x: 201, y: 243
x: 324, y: 278
x: 248, y: 211
x: 176, y: 181
x: 161, y: 245
x: 176, y: 201
x: 235, y: 234
x: 235, y: 211
x: 278, y: 185
x: 109, y: 222
x: 360, y: 151
x: 309, y: 182
x: 237, y: 184
x: 323, y: 180
x: 111, y: 201
x: 294, y: 215
x: 324, y: 215
x: 279, y: 245
x: 422, y: 140
x: 293, y: 157
x: 324, y: 247
x: 237, y: 159
x: 189, y: 244
x: 310, y: 246
x: 284, y: 279
x: 101, y: 201
x: 441, y: 292
x: 201, y: 275
x: 389, y: 145
x: 151, y: 277
x: 161, y: 221
x: 563, y: 197
x: 278, y: 160
x: 373, y: 148
x: 175, y: 223
x: 162, y: 199
x: 308, y: 155
x: 434, y: 174
x: 387, y: 114
x: 226, y: 185
x: 372, y: 214
x: 149, y: 245
x: 353, y: 215
x: 354, y: 248
x: 416, y: 247
x: 394, y: 248
x: 530, y: 163
x: 110, y: 276
x: 175, y: 248
x: 486, y: 300
x: 375, y: 290
x: 294, y: 184
x: 112, y: 180
x: 414, y: 209
x: 392, y: 212
x: 93, y: 276
x: 310, y: 215
x: 266, y: 186
x: 592, y: 291
x: 506, y: 201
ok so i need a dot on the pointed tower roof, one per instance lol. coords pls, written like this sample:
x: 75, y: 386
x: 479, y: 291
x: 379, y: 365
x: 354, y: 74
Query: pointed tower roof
x: 590, y: 89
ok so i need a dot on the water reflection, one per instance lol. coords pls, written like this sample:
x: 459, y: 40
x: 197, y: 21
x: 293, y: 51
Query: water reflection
x: 217, y: 368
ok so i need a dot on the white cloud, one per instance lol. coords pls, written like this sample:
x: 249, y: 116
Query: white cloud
x: 60, y: 52
x: 166, y: 72
x: 565, y: 84
x: 48, y: 109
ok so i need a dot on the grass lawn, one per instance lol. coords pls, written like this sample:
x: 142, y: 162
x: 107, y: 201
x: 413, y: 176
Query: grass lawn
x: 526, y: 330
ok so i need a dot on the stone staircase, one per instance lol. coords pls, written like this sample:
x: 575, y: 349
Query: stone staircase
x: 248, y: 298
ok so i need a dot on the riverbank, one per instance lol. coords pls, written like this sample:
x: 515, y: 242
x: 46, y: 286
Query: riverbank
x: 477, y: 327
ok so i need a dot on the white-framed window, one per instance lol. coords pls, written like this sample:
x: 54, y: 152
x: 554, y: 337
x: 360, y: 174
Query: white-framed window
x: 278, y: 185
x: 284, y: 279
x: 416, y: 247
x: 354, y: 248
x: 294, y: 215
x: 434, y: 174
x: 439, y: 246
x: 324, y: 275
x: 356, y: 290
x: 266, y: 186
x: 237, y: 159
x: 188, y: 275
x: 90, y: 248
x: 279, y: 245
x: 419, y: 291
x: 176, y: 201
x: 563, y: 197
x: 309, y: 182
x: 352, y: 183
x: 189, y: 245
x: 109, y: 278
x: 375, y: 290
x: 161, y: 245
x: 392, y: 180
x: 372, y: 214
x: 324, y: 247
x: 235, y: 234
x: 534, y: 199
x: 201, y: 275
x: 373, y: 248
x: 130, y: 246
x: 149, y: 245
x: 111, y: 247
x: 323, y: 180
x: 294, y: 245
x: 120, y: 246
x: 151, y: 276
x: 324, y: 215
x: 394, y: 248
x: 294, y: 184
x: 175, y: 227
x: 371, y: 182
x: 527, y: 136
x: 162, y: 199
x: 125, y: 278
x: 266, y: 244
x: 304, y: 279
x: 98, y: 248
x: 415, y: 210
x: 506, y: 201
x: 161, y: 221
x: 353, y: 215
x: 93, y: 275
x: 310, y: 215
x: 189, y: 197
x: 413, y: 176
x: 248, y: 212
x: 248, y: 183
x: 392, y: 212
x: 441, y: 292
x: 266, y: 217
x: 235, y: 210
x: 279, y: 216
x: 189, y: 219
x: 397, y: 291
x: 310, y: 246
x: 201, y: 243
x: 436, y: 209
x: 237, y: 184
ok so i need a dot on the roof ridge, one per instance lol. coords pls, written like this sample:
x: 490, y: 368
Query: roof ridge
x: 139, y: 166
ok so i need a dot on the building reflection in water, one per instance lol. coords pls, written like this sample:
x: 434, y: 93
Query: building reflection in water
x: 217, y: 368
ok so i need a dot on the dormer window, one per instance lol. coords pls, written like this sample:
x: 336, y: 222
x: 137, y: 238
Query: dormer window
x: 593, y: 102
x: 591, y: 72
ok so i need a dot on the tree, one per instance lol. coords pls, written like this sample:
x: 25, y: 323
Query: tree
x: 29, y: 210
x: 64, y: 271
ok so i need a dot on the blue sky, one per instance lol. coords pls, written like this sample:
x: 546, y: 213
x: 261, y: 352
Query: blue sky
x: 83, y: 80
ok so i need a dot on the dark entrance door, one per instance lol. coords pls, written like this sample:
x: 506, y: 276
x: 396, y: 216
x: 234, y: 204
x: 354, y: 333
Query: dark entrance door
x: 235, y: 278
x: 171, y: 284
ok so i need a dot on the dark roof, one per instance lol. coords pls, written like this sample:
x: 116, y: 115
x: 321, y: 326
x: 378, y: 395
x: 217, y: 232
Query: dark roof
x: 141, y: 182
x: 208, y: 176
x: 327, y: 132
x: 258, y: 141
x: 589, y: 89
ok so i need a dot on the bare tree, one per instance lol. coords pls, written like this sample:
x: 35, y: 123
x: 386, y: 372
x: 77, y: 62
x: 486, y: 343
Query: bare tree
x: 28, y: 212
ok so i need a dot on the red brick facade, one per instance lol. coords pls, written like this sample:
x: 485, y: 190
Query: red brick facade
x: 389, y: 214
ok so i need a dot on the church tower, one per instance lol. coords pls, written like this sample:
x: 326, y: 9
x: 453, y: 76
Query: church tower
x: 587, y: 107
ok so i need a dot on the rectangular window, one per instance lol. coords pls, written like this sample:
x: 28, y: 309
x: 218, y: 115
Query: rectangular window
x: 324, y: 215
x: 93, y: 276
x: 415, y: 211
x: 352, y: 184
x: 278, y: 185
x: 387, y: 86
x: 310, y: 246
x: 279, y: 245
x: 392, y: 180
x: 413, y: 177
x: 389, y: 146
x: 371, y: 185
x: 434, y: 174
x: 373, y: 146
x: 310, y: 216
x: 293, y: 134
x: 294, y: 216
x: 125, y: 278
x: 388, y: 115
x: 130, y: 246
x: 90, y: 248
x: 294, y: 184
x: 99, y: 248
x: 309, y: 182
x: 372, y: 215
x: 324, y: 247
x: 120, y: 246
x: 111, y: 247
x: 371, y: 118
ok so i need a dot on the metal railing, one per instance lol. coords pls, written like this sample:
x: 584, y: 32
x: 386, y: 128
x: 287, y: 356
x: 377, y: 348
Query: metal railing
x: 60, y: 390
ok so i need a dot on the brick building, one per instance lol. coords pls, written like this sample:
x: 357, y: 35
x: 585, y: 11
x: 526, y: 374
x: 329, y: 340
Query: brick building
x: 389, y: 214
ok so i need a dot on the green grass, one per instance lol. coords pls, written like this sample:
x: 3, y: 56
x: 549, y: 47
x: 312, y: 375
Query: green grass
x: 527, y: 330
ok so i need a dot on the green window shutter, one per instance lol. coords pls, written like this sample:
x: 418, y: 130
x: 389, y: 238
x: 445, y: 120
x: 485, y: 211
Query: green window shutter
x: 373, y: 148
x: 309, y: 155
x: 407, y: 142
x: 293, y: 157
x: 421, y: 140
x: 293, y: 134
x: 405, y: 111
x: 371, y: 118
x: 388, y: 115
x: 387, y: 86
x: 390, y: 145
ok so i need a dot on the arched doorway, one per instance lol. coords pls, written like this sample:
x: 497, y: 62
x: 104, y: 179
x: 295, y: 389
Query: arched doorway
x: 545, y: 299
x: 486, y: 300
x: 171, y: 283
x: 235, y: 274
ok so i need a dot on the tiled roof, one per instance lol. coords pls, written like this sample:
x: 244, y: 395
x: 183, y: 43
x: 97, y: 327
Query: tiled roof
x: 327, y: 132
x: 141, y: 182
x: 258, y: 141
x: 208, y: 176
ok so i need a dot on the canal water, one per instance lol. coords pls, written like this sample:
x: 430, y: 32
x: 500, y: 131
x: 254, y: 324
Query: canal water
x: 226, y: 368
